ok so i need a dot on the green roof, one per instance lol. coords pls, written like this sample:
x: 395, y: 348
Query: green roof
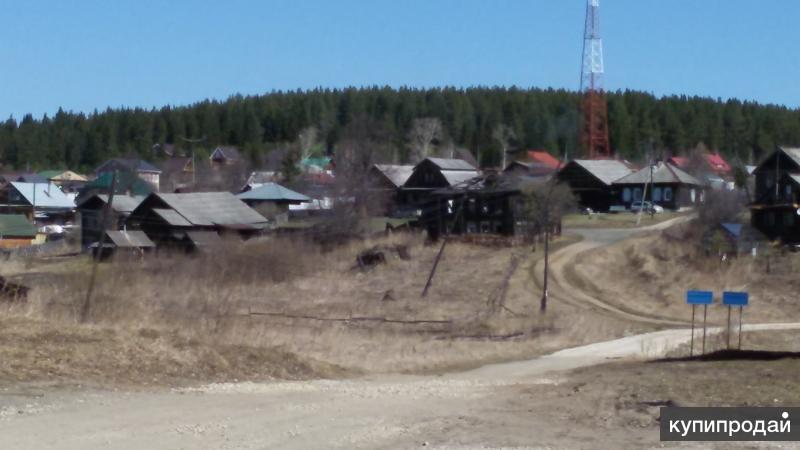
x: 321, y: 162
x: 16, y: 225
x: 126, y: 181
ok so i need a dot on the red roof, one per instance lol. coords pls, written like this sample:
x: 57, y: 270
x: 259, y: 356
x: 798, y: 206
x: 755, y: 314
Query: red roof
x: 714, y: 160
x: 718, y: 164
x: 542, y: 157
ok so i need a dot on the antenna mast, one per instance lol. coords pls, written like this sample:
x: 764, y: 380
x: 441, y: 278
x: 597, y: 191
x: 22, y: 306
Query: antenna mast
x: 594, y: 112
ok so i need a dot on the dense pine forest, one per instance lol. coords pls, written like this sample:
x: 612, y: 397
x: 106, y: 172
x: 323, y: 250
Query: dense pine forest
x: 467, y: 118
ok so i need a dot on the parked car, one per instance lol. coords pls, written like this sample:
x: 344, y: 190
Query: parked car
x: 647, y: 207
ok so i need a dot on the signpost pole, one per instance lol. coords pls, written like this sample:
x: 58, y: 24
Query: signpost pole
x: 740, y: 327
x: 691, y: 345
x: 705, y: 309
x: 728, y: 337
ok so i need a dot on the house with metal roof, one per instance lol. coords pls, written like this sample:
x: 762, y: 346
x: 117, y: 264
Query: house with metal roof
x: 173, y: 219
x: 662, y: 184
x: 272, y: 200
x: 47, y: 200
x: 16, y: 231
x: 436, y: 173
x: 91, y: 209
x: 143, y: 169
x: 775, y: 209
x: 592, y: 181
x: 115, y: 241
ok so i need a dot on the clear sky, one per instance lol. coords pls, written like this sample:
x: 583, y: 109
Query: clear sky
x: 84, y: 54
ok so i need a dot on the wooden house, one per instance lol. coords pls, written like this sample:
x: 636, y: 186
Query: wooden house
x: 272, y: 200
x: 664, y: 185
x: 16, y: 231
x: 91, y: 210
x: 592, y: 181
x: 435, y: 173
x: 132, y: 242
x: 50, y: 204
x: 488, y: 204
x: 775, y: 210
x: 385, y: 183
x: 141, y: 168
x: 225, y: 155
x: 188, y: 220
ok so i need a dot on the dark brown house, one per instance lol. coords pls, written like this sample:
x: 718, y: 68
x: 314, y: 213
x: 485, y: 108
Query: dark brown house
x: 191, y: 220
x: 487, y: 204
x: 775, y: 210
x: 435, y: 173
x: 91, y: 211
x: 592, y: 181
x: 666, y: 185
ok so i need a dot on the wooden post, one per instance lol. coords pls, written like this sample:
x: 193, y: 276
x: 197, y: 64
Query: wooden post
x: 740, y: 327
x: 107, y: 212
x: 691, y: 342
x: 728, y: 344
x: 433, y: 269
x: 705, y: 310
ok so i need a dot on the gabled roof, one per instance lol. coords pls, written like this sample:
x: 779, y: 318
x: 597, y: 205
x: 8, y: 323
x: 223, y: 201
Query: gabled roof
x: 46, y: 195
x: 396, y: 174
x: 792, y: 152
x: 605, y: 170
x: 16, y: 225
x: 125, y: 182
x: 662, y: 173
x: 717, y: 163
x: 451, y: 164
x: 135, y: 165
x: 62, y: 175
x: 458, y: 176
x: 210, y: 209
x: 121, y: 203
x: 172, y: 217
x: 273, y: 192
x: 543, y: 157
x: 229, y: 153
x: 130, y: 239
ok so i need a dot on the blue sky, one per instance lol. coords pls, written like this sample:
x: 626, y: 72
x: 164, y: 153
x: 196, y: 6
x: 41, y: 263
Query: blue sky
x: 84, y: 54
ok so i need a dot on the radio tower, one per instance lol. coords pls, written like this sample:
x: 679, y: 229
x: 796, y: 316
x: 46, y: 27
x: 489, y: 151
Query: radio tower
x: 594, y: 112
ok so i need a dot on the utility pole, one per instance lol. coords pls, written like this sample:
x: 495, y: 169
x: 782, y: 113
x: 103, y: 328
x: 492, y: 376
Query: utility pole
x: 107, y: 212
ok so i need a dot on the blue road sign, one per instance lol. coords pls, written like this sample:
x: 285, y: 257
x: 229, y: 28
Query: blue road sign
x: 699, y: 297
x: 735, y: 298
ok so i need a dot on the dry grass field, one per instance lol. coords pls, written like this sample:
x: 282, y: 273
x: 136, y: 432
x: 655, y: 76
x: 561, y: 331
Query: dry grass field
x: 650, y: 275
x: 168, y: 313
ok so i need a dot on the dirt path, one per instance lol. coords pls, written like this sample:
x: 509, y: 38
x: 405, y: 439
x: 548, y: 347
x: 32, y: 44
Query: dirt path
x: 562, y: 289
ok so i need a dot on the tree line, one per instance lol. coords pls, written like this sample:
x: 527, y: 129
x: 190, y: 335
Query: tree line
x: 414, y: 122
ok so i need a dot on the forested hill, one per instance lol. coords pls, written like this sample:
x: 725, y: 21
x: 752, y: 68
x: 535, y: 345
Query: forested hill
x: 470, y: 118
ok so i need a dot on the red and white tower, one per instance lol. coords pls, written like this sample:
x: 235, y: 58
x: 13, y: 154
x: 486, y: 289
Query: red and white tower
x: 593, y: 120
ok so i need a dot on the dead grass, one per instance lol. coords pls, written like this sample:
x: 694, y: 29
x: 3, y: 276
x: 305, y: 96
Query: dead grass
x: 650, y: 275
x: 208, y: 300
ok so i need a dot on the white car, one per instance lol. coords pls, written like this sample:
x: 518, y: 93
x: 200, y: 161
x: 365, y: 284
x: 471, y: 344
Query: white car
x: 646, y: 207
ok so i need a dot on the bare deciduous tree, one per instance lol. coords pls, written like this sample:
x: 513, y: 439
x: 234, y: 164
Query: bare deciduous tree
x: 504, y: 135
x: 544, y: 206
x: 423, y: 133
x: 307, y: 139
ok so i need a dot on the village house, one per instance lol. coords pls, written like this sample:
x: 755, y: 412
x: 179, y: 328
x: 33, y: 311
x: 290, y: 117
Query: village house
x: 141, y: 168
x: 775, y: 210
x: 125, y: 183
x: 592, y: 181
x: 665, y: 185
x: 710, y: 168
x: 272, y: 200
x: 432, y: 174
x: 91, y: 211
x: 67, y: 180
x: 16, y: 231
x: 385, y: 184
x: 194, y: 220
x: 50, y: 204
x: 225, y: 155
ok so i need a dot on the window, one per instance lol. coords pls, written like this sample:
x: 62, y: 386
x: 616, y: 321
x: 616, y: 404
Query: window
x: 637, y: 194
x: 656, y: 194
x: 626, y: 195
x: 692, y: 195
x: 788, y: 191
x: 486, y: 227
x: 667, y: 194
x: 472, y: 227
x: 450, y: 207
x: 769, y: 180
x: 471, y: 206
